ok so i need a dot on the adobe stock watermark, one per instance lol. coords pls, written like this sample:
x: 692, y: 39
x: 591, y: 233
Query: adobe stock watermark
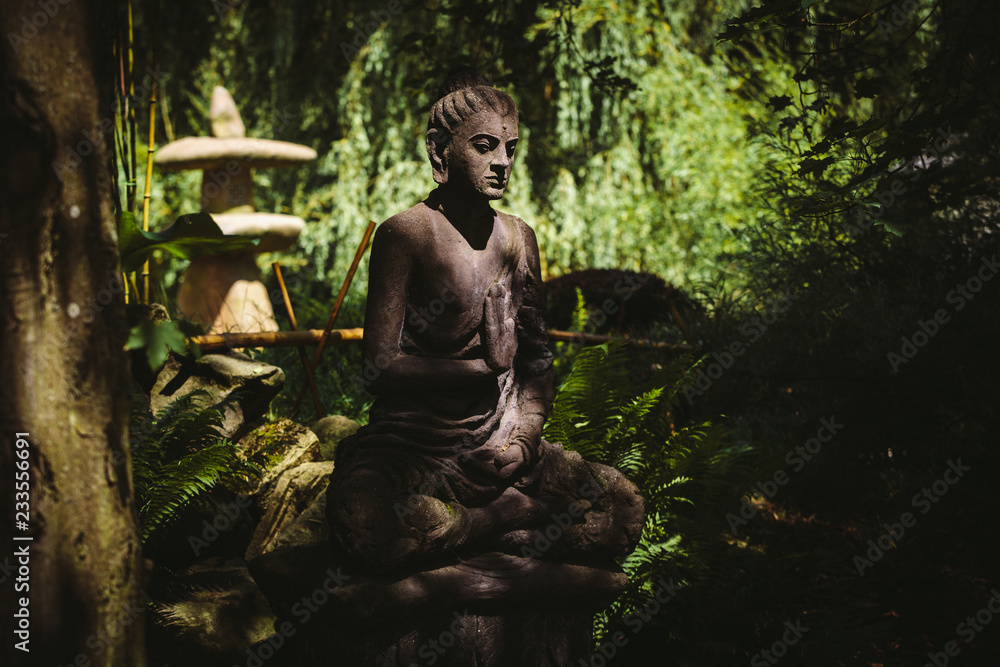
x: 924, y: 500
x: 636, y: 621
x: 867, y: 215
x: 797, y: 458
x: 561, y: 521
x: 967, y: 630
x: 30, y: 25
x: 216, y: 180
x: 779, y: 649
x: 421, y: 318
x: 927, y: 329
x: 303, y: 611
x: 752, y: 329
x: 898, y: 17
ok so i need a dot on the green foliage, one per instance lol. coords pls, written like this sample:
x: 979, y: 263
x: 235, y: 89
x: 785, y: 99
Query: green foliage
x: 159, y: 338
x: 178, y: 456
x: 191, y: 236
x: 654, y: 180
x: 632, y: 150
x: 690, y: 476
x: 338, y: 377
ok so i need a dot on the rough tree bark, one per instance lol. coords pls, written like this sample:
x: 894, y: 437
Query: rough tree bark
x: 63, y: 374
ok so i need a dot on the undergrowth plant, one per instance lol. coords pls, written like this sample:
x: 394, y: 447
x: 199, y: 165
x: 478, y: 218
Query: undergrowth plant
x: 177, y: 456
x: 620, y: 408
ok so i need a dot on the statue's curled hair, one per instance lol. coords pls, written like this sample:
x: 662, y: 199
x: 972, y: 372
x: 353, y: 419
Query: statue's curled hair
x: 461, y: 97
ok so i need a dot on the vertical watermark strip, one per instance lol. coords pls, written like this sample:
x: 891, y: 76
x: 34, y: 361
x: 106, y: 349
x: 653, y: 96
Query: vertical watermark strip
x: 22, y: 555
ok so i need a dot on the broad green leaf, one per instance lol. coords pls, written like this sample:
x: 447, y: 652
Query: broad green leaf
x: 156, y: 338
x: 191, y: 236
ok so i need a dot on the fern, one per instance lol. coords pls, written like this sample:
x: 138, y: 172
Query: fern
x: 177, y: 457
x: 689, y: 476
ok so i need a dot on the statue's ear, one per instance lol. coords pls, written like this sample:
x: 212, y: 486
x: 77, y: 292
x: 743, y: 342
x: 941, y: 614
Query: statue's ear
x: 437, y: 152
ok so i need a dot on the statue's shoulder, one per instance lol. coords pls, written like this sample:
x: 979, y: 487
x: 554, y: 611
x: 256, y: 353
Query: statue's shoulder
x: 523, y: 228
x: 410, y: 227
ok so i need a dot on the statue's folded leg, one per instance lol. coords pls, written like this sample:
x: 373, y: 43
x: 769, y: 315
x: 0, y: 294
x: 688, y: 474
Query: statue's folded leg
x: 603, y: 520
x: 381, y: 523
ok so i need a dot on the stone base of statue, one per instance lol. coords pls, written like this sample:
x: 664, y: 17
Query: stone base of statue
x: 493, y: 610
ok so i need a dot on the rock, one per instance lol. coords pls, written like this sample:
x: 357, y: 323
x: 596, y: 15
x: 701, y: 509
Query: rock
x: 241, y: 387
x: 282, y: 445
x: 295, y: 510
x: 331, y: 430
x: 209, y: 614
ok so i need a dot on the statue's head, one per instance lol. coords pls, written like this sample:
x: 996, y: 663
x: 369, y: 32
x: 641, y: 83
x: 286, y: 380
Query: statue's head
x: 471, y: 135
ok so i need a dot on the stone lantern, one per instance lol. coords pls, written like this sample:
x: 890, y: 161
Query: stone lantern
x: 224, y: 292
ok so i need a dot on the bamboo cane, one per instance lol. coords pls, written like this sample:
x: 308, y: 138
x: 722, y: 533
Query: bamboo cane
x: 151, y: 148
x: 302, y: 350
x: 213, y: 342
x: 358, y: 254
x: 216, y: 342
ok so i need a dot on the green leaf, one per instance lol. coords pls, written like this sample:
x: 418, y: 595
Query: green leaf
x: 814, y: 166
x: 191, y: 236
x: 779, y: 102
x: 156, y: 338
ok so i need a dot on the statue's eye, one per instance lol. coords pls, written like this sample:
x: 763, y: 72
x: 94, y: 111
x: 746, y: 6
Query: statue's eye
x: 510, y: 148
x: 482, y: 146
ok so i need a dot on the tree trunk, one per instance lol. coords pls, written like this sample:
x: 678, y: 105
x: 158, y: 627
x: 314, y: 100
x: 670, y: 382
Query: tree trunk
x: 64, y: 388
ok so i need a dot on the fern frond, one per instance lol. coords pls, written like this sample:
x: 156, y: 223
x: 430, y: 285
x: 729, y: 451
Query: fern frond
x: 180, y: 481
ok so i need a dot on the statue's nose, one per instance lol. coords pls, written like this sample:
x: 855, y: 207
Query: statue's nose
x: 501, y: 158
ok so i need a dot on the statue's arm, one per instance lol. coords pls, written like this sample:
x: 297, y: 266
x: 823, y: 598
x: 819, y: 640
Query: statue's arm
x: 391, y: 267
x: 534, y: 360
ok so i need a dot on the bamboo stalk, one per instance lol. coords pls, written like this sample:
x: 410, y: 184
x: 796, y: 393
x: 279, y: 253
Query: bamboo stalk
x: 213, y: 342
x: 358, y: 254
x: 130, y: 109
x: 302, y: 350
x: 151, y: 147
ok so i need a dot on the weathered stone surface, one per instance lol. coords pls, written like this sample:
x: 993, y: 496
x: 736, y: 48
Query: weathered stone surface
x: 215, y: 153
x: 225, y: 294
x: 241, y: 387
x: 496, y: 609
x: 210, y: 614
x: 284, y: 445
x: 295, y: 510
x: 226, y: 121
x: 331, y: 430
x: 275, y: 230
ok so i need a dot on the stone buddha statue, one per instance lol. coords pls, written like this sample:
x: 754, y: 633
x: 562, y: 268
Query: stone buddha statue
x: 452, y: 463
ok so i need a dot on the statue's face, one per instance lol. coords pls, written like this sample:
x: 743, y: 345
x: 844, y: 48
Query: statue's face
x: 481, y: 153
